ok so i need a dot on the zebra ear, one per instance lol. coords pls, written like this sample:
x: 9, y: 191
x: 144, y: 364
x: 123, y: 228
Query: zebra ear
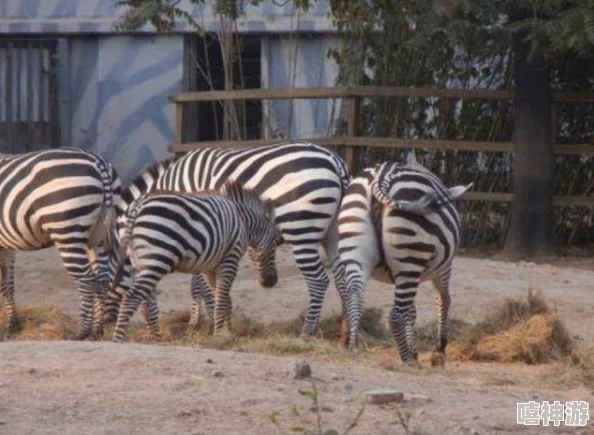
x: 457, y: 191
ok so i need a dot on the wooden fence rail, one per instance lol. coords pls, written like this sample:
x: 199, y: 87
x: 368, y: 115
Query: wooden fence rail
x: 354, y: 95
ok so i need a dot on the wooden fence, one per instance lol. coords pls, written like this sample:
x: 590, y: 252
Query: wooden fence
x: 352, y: 139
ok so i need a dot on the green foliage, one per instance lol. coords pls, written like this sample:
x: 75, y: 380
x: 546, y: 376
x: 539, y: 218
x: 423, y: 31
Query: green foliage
x: 316, y: 408
x: 163, y: 14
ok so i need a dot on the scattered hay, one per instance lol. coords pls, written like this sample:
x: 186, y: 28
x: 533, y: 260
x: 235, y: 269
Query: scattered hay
x: 44, y: 322
x: 521, y: 330
x: 579, y: 368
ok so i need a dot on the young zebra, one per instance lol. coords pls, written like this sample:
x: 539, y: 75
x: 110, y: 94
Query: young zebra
x: 193, y: 233
x: 398, y: 224
x: 306, y: 183
x: 63, y: 197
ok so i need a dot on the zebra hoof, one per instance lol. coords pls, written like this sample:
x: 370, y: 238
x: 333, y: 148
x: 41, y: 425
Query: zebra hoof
x: 81, y: 336
x: 97, y: 335
x: 438, y: 359
x: 413, y: 363
x: 14, y: 326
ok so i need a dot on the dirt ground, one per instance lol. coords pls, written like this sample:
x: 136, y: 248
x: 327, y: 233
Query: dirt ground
x: 100, y: 387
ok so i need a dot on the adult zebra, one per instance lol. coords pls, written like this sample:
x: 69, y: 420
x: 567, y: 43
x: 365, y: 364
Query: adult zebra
x: 398, y: 224
x: 306, y: 183
x: 63, y: 197
x: 200, y: 233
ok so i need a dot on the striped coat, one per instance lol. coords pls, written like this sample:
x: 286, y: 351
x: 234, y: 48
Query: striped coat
x: 398, y: 224
x: 202, y: 233
x: 59, y: 197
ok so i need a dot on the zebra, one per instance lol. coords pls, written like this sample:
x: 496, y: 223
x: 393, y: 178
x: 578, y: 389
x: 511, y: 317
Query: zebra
x: 306, y: 183
x: 141, y: 185
x: 63, y: 197
x: 199, y: 233
x: 398, y: 224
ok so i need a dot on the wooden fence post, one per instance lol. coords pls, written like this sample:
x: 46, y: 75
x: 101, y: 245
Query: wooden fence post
x: 352, y: 129
x: 554, y: 122
x: 179, y: 124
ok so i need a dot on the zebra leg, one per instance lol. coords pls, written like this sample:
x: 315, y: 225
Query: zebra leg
x: 7, y: 258
x: 402, y: 316
x: 76, y: 260
x: 128, y: 307
x: 411, y: 332
x: 330, y: 244
x: 150, y: 313
x: 202, y: 291
x: 310, y: 264
x: 442, y: 303
x: 226, y: 273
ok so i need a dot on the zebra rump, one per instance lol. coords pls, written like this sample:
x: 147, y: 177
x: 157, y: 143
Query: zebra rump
x: 63, y: 197
x: 398, y: 224
x: 203, y: 234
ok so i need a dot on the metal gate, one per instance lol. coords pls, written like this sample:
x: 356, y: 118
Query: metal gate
x: 29, y: 95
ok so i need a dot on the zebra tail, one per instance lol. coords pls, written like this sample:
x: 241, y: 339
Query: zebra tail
x: 102, y: 231
x: 380, y: 187
x: 122, y: 251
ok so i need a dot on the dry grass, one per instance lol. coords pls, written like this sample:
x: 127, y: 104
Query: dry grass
x: 520, y: 330
x: 43, y: 322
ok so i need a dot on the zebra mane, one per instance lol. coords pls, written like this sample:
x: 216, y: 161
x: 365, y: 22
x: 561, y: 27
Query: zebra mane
x: 248, y: 198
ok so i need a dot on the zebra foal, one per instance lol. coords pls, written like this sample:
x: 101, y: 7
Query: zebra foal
x: 63, y: 197
x: 398, y: 224
x: 306, y: 183
x: 203, y: 233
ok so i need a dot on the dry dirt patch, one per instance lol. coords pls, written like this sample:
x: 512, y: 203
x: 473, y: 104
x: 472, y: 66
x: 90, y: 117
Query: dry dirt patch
x: 68, y: 387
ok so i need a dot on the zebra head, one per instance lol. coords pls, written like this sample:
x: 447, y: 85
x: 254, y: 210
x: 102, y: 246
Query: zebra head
x: 262, y: 236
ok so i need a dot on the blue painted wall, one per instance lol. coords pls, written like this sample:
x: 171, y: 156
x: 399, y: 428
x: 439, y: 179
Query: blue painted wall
x: 119, y: 84
x: 73, y: 16
x: 119, y: 89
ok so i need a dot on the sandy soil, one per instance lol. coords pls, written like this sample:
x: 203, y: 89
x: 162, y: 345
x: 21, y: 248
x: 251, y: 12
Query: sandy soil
x: 68, y: 387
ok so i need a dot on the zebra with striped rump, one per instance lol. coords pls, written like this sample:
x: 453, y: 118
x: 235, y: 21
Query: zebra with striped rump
x: 201, y: 233
x: 306, y: 183
x: 398, y: 224
x: 63, y: 197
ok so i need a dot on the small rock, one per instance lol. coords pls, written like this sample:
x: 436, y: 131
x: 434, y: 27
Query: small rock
x: 32, y: 371
x: 348, y: 387
x: 335, y: 377
x: 216, y: 374
x: 417, y: 397
x: 298, y: 369
x: 209, y: 361
x: 380, y: 397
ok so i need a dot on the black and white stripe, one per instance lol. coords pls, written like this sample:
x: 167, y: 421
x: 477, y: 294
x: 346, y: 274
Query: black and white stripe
x: 137, y: 188
x: 306, y: 183
x: 398, y: 224
x: 201, y: 233
x: 62, y: 197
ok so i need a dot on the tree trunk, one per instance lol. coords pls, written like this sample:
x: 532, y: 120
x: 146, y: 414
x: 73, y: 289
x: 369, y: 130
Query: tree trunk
x: 531, y: 230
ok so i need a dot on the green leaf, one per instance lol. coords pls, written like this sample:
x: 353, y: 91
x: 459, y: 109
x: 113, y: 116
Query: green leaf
x: 272, y: 417
x: 309, y: 393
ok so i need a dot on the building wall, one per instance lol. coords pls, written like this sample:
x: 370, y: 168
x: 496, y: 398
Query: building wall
x: 118, y: 84
x: 91, y: 16
x: 299, y: 62
x: 119, y: 89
